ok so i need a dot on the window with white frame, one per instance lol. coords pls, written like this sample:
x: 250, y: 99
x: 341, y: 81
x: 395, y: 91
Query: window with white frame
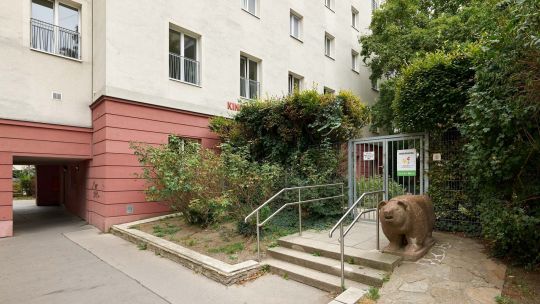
x: 354, y: 60
x: 375, y: 4
x: 328, y: 90
x: 296, y: 25
x: 329, y: 45
x: 249, y: 78
x: 354, y: 17
x: 55, y: 28
x: 183, y: 57
x: 251, y: 6
x: 295, y: 83
x: 375, y: 85
x: 329, y: 4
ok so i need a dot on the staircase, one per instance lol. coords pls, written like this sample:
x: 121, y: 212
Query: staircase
x: 318, y: 264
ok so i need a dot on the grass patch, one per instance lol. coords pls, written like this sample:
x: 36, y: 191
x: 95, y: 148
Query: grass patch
x: 503, y: 300
x: 316, y: 253
x: 142, y: 246
x: 228, y: 249
x: 373, y: 293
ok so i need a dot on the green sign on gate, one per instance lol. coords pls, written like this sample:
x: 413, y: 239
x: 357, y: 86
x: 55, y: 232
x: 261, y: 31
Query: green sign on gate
x: 406, y: 162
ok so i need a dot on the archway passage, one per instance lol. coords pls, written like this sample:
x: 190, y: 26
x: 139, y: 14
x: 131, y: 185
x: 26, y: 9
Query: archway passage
x: 61, y: 156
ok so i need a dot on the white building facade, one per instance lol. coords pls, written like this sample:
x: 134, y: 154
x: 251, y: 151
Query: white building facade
x: 81, y: 79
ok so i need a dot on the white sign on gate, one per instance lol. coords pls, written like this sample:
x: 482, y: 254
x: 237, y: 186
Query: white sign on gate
x: 406, y: 162
x: 370, y: 155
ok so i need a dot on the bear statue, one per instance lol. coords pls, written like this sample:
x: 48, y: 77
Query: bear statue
x: 408, y: 221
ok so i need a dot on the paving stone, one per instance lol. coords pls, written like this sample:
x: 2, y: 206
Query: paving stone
x: 483, y: 295
x: 420, y: 286
x: 447, y: 296
x: 458, y: 274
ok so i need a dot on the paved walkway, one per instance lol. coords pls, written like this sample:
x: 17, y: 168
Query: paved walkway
x: 46, y: 263
x: 455, y: 271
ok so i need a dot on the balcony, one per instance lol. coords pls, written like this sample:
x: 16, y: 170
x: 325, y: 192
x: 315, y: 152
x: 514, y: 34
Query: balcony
x: 53, y: 39
x: 184, y: 69
x: 249, y: 88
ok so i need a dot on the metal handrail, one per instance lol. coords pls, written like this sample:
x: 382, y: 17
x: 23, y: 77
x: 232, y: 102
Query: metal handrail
x: 299, y: 203
x: 342, y: 233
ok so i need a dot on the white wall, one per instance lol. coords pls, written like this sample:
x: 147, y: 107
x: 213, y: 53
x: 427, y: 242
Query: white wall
x: 130, y: 55
x: 28, y: 77
x: 137, y: 49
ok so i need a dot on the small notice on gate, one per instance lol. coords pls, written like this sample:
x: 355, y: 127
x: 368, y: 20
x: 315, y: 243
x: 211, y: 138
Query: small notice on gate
x: 406, y: 162
x: 369, y: 155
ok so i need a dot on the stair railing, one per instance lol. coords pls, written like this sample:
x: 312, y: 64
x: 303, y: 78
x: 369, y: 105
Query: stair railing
x: 299, y: 202
x: 343, y: 232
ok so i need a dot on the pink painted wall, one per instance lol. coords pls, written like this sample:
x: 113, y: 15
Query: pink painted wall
x: 114, y: 193
x: 6, y: 194
x: 27, y: 139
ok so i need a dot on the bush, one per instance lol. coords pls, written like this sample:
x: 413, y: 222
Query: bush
x: 512, y: 231
x: 186, y: 177
x: 432, y: 91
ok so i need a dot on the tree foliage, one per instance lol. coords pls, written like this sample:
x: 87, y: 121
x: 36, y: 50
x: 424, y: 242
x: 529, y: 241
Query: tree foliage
x: 432, y: 91
x: 491, y: 95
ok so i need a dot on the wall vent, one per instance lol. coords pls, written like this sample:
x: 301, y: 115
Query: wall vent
x: 56, y: 96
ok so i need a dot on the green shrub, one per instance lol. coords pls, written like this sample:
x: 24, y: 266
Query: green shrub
x: 432, y: 91
x: 186, y: 177
x: 512, y: 231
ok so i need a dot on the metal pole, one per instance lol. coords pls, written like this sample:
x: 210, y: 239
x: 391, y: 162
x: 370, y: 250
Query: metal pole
x: 258, y: 239
x: 342, y: 248
x: 377, y: 220
x: 299, y: 214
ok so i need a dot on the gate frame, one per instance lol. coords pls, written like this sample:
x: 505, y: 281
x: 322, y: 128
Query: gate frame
x: 351, y: 160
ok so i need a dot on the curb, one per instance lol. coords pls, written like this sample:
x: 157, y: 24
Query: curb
x: 212, y: 268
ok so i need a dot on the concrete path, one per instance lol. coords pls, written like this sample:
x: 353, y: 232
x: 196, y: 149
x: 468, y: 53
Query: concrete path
x: 456, y: 270
x: 46, y: 263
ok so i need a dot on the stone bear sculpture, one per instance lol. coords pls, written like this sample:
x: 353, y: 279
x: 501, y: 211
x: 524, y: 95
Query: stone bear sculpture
x: 408, y: 221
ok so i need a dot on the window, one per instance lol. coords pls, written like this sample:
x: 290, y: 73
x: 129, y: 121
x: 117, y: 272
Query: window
x: 176, y: 142
x: 354, y: 60
x: 354, y: 17
x: 328, y: 90
x: 250, y: 6
x: 375, y: 85
x: 296, y: 26
x: 249, y: 75
x: 375, y: 4
x: 55, y: 28
x: 329, y: 4
x: 295, y: 83
x: 329, y: 45
x: 183, y: 53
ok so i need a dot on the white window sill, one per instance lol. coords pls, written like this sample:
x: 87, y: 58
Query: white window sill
x: 242, y: 98
x: 185, y: 82
x: 297, y: 39
x: 375, y: 89
x: 330, y: 9
x: 329, y: 57
x: 355, y: 28
x: 245, y: 10
x: 56, y: 55
x: 356, y: 71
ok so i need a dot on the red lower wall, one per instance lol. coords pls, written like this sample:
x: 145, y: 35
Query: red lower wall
x: 39, y: 142
x: 95, y: 171
x: 114, y: 192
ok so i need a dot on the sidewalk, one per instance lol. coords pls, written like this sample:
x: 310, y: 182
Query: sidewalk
x: 177, y: 284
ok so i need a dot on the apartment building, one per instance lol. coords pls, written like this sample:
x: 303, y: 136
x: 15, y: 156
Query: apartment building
x: 82, y: 79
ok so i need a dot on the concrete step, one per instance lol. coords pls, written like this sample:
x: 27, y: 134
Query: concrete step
x: 310, y: 277
x: 357, y: 273
x: 369, y: 258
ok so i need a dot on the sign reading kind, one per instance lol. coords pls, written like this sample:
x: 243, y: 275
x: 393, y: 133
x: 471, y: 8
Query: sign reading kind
x: 233, y: 106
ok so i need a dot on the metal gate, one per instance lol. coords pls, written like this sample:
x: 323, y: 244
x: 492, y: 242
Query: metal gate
x: 395, y: 164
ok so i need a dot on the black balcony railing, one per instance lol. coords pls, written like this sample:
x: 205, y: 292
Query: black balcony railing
x: 53, y: 39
